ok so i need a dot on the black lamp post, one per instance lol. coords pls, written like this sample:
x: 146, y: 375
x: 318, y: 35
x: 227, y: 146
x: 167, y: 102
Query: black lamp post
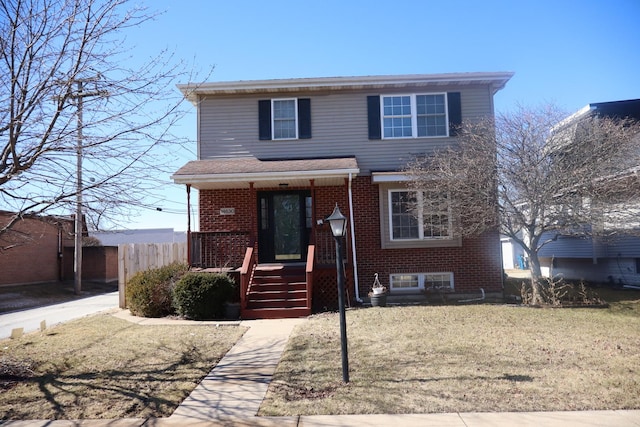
x: 338, y: 223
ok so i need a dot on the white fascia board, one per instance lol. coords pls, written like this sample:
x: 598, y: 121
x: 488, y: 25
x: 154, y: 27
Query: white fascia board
x: 270, y: 176
x: 192, y: 90
x: 573, y: 117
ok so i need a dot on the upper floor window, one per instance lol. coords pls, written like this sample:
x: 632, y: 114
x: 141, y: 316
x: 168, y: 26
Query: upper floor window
x: 396, y: 116
x: 407, y: 206
x: 281, y: 119
x: 431, y: 115
x: 284, y: 118
x: 409, y: 116
x: 425, y: 115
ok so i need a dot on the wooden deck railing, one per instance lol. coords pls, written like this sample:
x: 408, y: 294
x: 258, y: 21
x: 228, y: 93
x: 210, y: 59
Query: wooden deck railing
x: 325, y: 248
x: 217, y: 249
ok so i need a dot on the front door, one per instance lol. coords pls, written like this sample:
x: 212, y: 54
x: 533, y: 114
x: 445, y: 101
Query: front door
x: 284, y: 223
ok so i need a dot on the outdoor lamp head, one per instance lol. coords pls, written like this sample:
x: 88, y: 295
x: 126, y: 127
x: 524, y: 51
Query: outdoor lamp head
x: 338, y: 222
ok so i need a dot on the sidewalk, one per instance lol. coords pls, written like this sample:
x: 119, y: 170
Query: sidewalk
x: 30, y: 319
x: 231, y: 394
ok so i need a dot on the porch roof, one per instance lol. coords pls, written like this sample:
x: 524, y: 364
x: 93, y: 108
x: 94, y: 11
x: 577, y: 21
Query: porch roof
x: 239, y: 172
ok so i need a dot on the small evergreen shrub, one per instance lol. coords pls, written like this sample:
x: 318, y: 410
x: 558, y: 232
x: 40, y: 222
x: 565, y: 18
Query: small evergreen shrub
x: 202, y: 296
x: 150, y: 293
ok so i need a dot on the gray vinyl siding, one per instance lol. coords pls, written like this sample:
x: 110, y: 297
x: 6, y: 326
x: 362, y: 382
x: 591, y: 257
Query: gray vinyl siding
x: 619, y: 271
x: 586, y: 247
x: 624, y: 246
x: 568, y: 247
x: 228, y: 127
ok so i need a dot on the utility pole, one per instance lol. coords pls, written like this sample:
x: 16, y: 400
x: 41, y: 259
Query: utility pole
x: 79, y: 97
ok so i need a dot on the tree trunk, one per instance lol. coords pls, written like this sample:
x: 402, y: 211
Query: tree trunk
x: 536, y: 275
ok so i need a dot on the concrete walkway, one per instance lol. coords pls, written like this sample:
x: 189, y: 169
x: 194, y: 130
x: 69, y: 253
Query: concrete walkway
x: 231, y: 394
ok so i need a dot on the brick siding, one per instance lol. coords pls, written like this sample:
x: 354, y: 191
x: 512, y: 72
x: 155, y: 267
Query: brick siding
x: 34, y: 254
x: 475, y: 264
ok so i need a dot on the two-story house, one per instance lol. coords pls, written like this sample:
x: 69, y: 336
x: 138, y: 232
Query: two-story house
x: 616, y: 259
x: 276, y: 156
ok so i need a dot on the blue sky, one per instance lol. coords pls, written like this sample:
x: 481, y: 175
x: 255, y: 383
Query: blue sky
x: 568, y: 52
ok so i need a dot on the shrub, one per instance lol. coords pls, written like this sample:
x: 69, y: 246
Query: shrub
x: 203, y: 296
x: 556, y: 292
x: 149, y: 293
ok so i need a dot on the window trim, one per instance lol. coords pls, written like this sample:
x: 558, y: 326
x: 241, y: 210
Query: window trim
x: 273, y: 119
x: 422, y: 279
x: 414, y: 115
x: 421, y: 236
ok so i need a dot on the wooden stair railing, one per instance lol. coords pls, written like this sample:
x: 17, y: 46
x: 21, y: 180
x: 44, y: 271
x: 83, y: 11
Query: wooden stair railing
x: 311, y: 256
x: 273, y: 291
x: 246, y: 271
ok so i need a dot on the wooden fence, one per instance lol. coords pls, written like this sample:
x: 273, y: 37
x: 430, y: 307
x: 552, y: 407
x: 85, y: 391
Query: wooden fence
x: 133, y: 258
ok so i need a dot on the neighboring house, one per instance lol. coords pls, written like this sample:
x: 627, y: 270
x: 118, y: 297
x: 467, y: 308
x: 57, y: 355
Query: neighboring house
x: 31, y: 251
x: 615, y: 260
x: 276, y: 156
x: 146, y: 235
x: 513, y: 256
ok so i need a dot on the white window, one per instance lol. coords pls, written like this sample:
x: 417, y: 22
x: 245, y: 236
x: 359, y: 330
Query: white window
x: 419, y: 281
x: 284, y: 118
x: 405, y: 207
x: 414, y: 116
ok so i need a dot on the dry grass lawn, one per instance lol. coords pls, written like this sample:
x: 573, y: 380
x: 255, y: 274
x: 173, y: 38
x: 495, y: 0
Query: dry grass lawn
x: 429, y: 359
x: 104, y: 367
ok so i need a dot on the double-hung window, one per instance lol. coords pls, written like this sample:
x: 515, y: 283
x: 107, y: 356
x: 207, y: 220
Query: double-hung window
x: 409, y: 220
x: 431, y: 115
x: 397, y: 117
x: 285, y: 118
x: 414, y: 116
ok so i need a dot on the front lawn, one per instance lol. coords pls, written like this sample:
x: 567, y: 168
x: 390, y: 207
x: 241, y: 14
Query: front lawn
x: 104, y: 367
x: 429, y: 359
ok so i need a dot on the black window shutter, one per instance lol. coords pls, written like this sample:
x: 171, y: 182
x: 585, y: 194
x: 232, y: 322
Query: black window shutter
x: 304, y: 118
x: 455, y: 112
x: 373, y: 115
x: 264, y: 119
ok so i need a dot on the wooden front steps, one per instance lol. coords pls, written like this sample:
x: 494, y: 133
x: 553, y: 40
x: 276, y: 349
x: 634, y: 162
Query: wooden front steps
x: 277, y: 291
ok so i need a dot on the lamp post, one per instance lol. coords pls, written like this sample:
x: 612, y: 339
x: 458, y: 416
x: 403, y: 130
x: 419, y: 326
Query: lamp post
x: 338, y: 223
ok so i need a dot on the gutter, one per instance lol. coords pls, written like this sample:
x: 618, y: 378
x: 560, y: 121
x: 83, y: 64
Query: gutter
x: 353, y: 242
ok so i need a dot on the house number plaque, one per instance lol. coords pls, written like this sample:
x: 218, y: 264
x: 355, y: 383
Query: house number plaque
x: 227, y: 211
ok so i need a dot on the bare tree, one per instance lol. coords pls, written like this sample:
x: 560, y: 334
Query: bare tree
x: 71, y: 89
x: 535, y: 176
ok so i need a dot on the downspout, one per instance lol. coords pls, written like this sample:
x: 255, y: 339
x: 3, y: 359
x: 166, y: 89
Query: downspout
x: 60, y: 254
x: 353, y: 242
x: 189, y: 225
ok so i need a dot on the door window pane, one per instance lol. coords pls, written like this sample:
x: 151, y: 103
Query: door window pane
x: 286, y: 216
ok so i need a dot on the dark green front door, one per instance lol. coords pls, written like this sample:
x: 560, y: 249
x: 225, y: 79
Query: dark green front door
x: 284, y: 223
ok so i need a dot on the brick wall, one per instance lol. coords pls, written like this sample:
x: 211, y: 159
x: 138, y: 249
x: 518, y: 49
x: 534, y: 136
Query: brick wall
x: 34, y: 253
x: 476, y: 264
x: 242, y: 200
x: 99, y: 263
